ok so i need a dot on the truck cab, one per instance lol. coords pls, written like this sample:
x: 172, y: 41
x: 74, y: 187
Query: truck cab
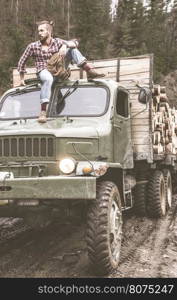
x: 87, y: 121
x: 87, y: 136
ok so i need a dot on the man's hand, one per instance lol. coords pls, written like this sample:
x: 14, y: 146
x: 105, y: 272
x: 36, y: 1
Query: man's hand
x: 22, y: 81
x: 63, y: 51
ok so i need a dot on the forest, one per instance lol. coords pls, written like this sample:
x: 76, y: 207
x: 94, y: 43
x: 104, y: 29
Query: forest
x: 138, y: 27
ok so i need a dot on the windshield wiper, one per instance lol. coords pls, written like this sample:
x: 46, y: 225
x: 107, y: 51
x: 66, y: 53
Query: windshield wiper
x: 25, y: 88
x: 74, y: 86
x: 61, y: 97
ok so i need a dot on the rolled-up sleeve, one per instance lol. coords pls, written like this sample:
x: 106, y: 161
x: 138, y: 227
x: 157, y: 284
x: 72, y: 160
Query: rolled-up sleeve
x: 70, y: 44
x: 22, y: 62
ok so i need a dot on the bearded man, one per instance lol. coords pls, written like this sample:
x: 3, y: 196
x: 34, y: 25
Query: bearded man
x: 42, y: 50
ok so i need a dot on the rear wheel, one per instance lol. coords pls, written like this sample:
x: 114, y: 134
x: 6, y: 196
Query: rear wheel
x: 156, y: 204
x: 140, y: 199
x: 168, y: 188
x: 104, y: 228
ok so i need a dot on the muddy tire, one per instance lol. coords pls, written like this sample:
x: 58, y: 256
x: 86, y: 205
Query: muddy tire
x: 104, y: 228
x: 140, y: 199
x: 156, y: 205
x: 168, y: 188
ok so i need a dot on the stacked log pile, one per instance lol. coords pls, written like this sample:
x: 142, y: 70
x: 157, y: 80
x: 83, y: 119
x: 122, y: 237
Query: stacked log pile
x: 164, y: 123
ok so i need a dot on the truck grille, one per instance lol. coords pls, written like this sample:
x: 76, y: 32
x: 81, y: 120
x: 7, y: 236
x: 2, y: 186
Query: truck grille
x: 32, y: 147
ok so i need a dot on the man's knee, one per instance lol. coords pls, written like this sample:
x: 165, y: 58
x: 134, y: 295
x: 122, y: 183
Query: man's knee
x: 71, y: 53
x: 48, y: 81
x: 75, y: 56
x: 46, y: 77
x: 74, y: 50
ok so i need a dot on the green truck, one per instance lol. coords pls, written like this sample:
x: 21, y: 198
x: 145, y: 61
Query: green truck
x: 106, y: 145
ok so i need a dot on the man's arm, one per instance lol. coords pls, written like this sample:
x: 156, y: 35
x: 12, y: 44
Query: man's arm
x: 63, y: 50
x: 72, y: 43
x: 67, y: 44
x: 21, y: 64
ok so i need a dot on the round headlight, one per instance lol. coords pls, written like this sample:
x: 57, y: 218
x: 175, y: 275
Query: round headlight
x: 67, y: 165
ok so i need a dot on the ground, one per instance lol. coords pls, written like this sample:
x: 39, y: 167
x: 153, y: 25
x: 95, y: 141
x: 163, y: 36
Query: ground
x: 149, y: 249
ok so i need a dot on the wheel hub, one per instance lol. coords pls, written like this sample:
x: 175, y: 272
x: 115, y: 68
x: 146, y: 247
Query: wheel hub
x: 115, y: 230
x: 163, y: 202
x: 169, y: 194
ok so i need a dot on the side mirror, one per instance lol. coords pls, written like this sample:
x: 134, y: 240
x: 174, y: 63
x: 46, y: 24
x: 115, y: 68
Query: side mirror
x: 144, y: 95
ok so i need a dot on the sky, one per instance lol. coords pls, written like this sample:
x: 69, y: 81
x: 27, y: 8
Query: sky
x: 113, y: 7
x: 115, y: 2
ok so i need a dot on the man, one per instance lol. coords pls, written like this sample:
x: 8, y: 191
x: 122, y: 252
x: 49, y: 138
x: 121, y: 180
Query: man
x: 42, y: 50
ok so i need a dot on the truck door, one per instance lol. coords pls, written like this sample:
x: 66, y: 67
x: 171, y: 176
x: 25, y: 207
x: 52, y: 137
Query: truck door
x: 123, y: 152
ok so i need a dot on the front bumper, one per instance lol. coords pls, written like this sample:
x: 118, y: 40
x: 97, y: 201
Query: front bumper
x: 51, y: 187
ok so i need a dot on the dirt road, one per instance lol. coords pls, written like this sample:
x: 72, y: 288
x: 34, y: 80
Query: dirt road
x: 149, y: 249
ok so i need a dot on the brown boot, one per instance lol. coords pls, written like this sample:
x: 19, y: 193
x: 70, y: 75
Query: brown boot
x: 42, y: 117
x: 91, y: 73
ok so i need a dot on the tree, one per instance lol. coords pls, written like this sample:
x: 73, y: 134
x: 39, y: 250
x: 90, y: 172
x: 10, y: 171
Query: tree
x: 91, y: 24
x: 159, y: 35
x: 128, y: 27
x: 171, y: 39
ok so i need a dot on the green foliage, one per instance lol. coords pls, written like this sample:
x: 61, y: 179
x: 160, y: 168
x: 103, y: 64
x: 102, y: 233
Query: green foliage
x: 5, y: 76
x: 128, y: 36
x: 142, y: 29
x: 91, y: 24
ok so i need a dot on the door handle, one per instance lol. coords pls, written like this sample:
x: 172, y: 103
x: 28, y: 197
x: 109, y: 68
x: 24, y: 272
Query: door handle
x: 116, y: 126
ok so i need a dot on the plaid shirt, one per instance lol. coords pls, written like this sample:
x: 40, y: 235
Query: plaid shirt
x: 41, y: 56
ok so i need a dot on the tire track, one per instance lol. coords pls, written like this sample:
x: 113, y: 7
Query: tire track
x: 11, y: 228
x: 46, y: 253
x: 60, y: 250
x: 146, y: 257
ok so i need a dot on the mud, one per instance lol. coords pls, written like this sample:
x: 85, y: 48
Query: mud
x: 149, y: 249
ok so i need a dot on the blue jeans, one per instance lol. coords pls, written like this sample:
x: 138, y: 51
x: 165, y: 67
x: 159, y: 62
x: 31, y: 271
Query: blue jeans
x: 46, y: 78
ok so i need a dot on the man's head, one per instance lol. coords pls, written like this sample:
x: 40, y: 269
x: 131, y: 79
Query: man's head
x: 45, y: 30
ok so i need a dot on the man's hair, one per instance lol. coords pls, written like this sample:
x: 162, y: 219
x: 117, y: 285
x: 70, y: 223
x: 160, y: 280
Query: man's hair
x: 49, y: 24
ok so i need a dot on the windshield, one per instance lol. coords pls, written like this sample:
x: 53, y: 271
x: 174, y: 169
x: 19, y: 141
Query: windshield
x: 24, y: 104
x: 83, y: 101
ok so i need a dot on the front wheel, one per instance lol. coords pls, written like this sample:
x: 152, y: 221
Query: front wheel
x: 104, y: 228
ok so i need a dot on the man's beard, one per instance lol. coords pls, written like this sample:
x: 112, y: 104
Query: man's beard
x: 43, y: 39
